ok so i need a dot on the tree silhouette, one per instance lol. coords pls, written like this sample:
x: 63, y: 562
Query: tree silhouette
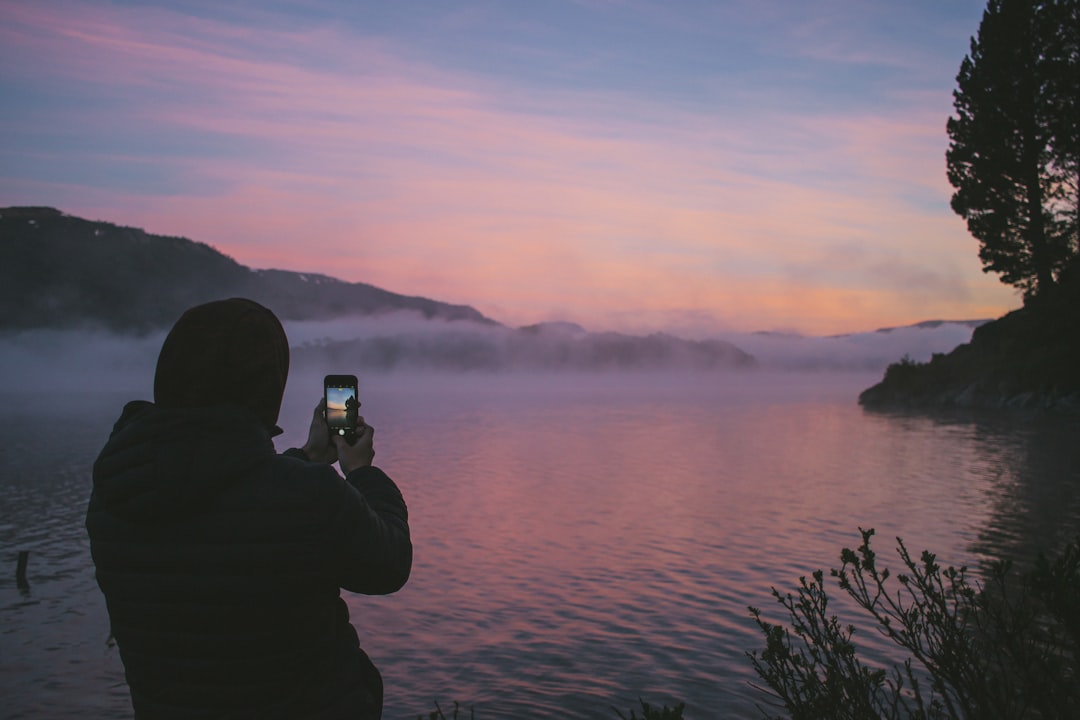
x: 1013, y: 152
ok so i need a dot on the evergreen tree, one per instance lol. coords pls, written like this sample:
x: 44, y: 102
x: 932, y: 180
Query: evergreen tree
x: 1062, y: 30
x: 1013, y: 155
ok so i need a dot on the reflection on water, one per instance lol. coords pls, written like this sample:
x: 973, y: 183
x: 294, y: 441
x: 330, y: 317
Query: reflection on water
x: 578, y: 545
x: 54, y: 660
x: 1028, y: 471
x: 1035, y: 499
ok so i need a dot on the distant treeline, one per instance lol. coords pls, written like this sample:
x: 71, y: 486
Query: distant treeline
x: 531, y: 348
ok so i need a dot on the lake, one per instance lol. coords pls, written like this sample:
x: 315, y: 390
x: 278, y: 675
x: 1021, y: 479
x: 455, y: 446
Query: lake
x: 580, y: 541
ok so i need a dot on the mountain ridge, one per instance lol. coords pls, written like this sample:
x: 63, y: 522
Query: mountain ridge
x: 59, y: 271
x: 289, y: 287
x: 62, y: 271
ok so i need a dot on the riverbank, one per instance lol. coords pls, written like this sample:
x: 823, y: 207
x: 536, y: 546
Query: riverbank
x: 1027, y: 359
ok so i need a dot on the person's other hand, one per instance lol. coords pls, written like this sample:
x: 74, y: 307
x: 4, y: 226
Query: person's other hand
x: 361, y: 452
x: 318, y: 447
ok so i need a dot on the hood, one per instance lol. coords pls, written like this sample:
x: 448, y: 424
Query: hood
x: 168, y: 463
x: 226, y: 352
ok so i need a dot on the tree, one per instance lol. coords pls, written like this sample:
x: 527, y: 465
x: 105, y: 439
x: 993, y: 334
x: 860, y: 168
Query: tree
x: 1014, y: 152
x: 1063, y: 83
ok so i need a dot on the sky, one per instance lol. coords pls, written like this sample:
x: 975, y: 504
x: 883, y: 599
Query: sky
x: 697, y: 167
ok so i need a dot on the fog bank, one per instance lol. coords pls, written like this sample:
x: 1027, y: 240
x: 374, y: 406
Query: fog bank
x: 869, y: 351
x: 95, y: 360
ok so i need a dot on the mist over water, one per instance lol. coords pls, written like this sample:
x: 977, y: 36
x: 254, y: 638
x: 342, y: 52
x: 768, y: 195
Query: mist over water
x: 582, y: 539
x: 866, y: 351
x: 75, y: 361
x: 90, y: 359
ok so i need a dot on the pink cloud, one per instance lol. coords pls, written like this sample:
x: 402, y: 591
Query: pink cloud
x: 376, y: 168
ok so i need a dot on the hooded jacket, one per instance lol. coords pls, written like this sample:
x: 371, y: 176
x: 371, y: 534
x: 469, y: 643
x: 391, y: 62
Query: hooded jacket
x: 222, y: 562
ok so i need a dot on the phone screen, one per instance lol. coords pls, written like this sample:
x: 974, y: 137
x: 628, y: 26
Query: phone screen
x: 342, y: 403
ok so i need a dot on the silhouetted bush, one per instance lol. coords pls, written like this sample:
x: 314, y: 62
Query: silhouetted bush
x: 1006, y: 649
x: 437, y: 713
x: 648, y: 712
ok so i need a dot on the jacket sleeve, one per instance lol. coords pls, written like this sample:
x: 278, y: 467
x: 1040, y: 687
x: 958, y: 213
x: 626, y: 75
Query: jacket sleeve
x: 372, y: 543
x: 297, y: 453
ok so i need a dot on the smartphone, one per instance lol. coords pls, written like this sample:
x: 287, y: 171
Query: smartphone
x: 342, y: 403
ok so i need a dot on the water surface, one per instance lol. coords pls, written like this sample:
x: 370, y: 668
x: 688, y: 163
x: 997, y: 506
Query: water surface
x: 580, y: 541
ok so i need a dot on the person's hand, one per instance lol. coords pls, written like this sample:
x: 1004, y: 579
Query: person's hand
x: 318, y: 447
x: 361, y: 452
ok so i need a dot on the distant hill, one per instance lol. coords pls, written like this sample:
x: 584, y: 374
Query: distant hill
x: 551, y: 347
x: 869, y: 351
x: 61, y: 271
x: 924, y: 325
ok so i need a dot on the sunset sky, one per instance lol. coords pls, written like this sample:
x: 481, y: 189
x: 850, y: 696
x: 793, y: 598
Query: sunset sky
x: 693, y: 166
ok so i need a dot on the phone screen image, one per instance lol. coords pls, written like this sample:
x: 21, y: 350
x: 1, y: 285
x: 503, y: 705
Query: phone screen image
x: 342, y: 405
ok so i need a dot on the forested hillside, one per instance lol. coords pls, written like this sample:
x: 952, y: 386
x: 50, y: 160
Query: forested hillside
x: 57, y: 270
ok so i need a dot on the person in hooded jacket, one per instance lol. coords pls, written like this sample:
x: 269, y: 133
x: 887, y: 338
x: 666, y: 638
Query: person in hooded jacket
x: 221, y: 561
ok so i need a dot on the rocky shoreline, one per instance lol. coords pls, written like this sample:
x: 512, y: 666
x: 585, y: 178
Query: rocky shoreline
x: 1027, y: 360
x: 970, y: 397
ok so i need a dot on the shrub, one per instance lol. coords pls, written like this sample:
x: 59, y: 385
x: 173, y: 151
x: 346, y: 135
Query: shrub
x: 903, y: 371
x: 648, y: 712
x: 1007, y: 649
x: 437, y: 713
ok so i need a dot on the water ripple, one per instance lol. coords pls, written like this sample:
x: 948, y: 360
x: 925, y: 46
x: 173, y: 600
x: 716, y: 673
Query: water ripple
x: 574, y: 555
